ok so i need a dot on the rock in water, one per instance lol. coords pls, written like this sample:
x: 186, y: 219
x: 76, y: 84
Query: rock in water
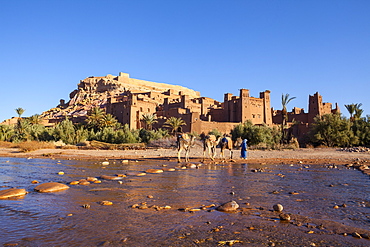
x: 284, y: 217
x: 13, y: 192
x: 50, y: 187
x: 278, y: 207
x: 154, y: 171
x: 135, y: 173
x: 107, y: 177
x: 228, y: 206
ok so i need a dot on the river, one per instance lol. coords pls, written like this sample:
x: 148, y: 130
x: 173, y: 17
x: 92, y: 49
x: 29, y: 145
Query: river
x: 309, y: 193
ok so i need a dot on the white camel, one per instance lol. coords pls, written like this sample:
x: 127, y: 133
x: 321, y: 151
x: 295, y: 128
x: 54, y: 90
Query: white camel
x: 184, y: 142
x: 209, y: 143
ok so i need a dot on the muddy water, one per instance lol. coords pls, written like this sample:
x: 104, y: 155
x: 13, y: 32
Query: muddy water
x: 308, y: 194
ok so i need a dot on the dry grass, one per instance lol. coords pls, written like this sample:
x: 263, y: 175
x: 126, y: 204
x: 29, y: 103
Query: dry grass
x: 34, y: 145
x: 7, y: 144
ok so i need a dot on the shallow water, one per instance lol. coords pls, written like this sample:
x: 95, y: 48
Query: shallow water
x: 58, y: 219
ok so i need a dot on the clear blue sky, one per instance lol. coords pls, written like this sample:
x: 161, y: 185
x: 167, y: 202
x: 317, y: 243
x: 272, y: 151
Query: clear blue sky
x: 215, y: 47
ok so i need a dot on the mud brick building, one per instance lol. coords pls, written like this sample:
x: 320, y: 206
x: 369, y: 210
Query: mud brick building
x: 128, y: 99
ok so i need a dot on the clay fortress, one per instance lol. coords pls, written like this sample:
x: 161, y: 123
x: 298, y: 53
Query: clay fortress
x: 128, y: 99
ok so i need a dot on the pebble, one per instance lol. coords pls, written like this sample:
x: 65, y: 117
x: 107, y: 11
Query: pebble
x: 108, y: 177
x: 105, y: 163
x: 154, y: 171
x: 60, y: 173
x: 84, y: 183
x: 169, y: 169
x: 135, y: 173
x: 356, y: 235
x: 278, y: 207
x: 284, y: 217
x: 228, y: 206
x: 106, y: 203
x: 143, y: 206
x: 91, y: 179
x: 35, y: 182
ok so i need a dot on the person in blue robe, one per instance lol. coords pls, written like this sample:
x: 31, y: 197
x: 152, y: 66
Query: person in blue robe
x: 244, y: 147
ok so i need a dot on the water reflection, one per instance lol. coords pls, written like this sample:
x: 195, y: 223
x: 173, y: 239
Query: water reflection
x: 59, y: 218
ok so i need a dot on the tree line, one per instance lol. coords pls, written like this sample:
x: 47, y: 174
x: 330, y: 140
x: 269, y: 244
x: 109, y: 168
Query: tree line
x: 332, y: 130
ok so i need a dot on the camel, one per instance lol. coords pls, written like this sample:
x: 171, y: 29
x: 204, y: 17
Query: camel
x: 209, y: 142
x: 184, y: 142
x: 226, y: 143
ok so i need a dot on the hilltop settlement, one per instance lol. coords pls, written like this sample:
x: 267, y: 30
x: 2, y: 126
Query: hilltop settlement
x: 128, y: 99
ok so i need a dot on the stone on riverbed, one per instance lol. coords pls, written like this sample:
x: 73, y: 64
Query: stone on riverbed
x: 228, y: 206
x: 284, y: 217
x: 50, y: 187
x: 107, y: 177
x: 13, y: 192
x: 168, y: 169
x: 278, y: 207
x: 135, y: 173
x: 154, y: 171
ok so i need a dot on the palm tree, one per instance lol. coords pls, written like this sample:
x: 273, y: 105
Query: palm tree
x: 6, y: 132
x: 95, y: 117
x: 149, y: 120
x: 108, y: 120
x: 354, y: 110
x: 284, y: 113
x: 358, y: 113
x: 174, y: 123
x: 20, y: 111
x: 22, y: 130
x: 351, y: 109
x: 35, y: 119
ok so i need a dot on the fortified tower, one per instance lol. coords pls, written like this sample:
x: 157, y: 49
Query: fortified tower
x: 267, y: 114
x: 244, y: 106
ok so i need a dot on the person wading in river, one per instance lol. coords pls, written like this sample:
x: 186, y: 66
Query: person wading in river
x: 244, y: 147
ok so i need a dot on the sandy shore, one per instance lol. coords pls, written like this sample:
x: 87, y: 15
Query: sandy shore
x: 304, y: 155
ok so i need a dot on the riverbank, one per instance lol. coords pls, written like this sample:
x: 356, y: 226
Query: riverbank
x: 302, y: 155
